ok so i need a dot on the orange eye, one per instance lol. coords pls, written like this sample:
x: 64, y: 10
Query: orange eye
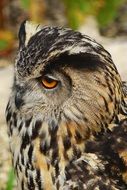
x: 49, y: 83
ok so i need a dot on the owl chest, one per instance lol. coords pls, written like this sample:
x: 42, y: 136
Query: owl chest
x: 37, y: 168
x: 52, y: 164
x: 33, y: 169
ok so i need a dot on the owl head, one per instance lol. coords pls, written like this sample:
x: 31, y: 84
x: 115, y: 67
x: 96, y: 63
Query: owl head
x: 63, y: 75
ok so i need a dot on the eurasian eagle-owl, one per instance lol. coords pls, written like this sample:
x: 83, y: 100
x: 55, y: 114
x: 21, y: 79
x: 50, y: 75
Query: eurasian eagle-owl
x: 67, y: 113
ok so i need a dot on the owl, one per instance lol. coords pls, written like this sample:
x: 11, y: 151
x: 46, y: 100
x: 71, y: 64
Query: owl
x: 67, y: 113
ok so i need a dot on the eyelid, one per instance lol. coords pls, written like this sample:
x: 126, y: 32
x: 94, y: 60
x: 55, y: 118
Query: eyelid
x: 50, y: 76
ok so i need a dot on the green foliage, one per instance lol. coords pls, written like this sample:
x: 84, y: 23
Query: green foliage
x: 25, y: 4
x: 76, y: 9
x: 104, y: 10
x: 3, y: 44
x: 11, y: 179
x: 108, y: 12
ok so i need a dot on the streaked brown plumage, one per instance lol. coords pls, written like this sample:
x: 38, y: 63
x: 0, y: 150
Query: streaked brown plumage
x: 67, y: 113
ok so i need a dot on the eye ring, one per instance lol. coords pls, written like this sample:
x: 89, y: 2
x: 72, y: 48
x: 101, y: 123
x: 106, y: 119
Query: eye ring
x: 48, y: 82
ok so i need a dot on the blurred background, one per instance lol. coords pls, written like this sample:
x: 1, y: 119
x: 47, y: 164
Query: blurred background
x: 103, y: 20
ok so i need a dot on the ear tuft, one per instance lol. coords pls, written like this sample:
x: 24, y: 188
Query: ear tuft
x: 22, y: 34
x: 26, y: 31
